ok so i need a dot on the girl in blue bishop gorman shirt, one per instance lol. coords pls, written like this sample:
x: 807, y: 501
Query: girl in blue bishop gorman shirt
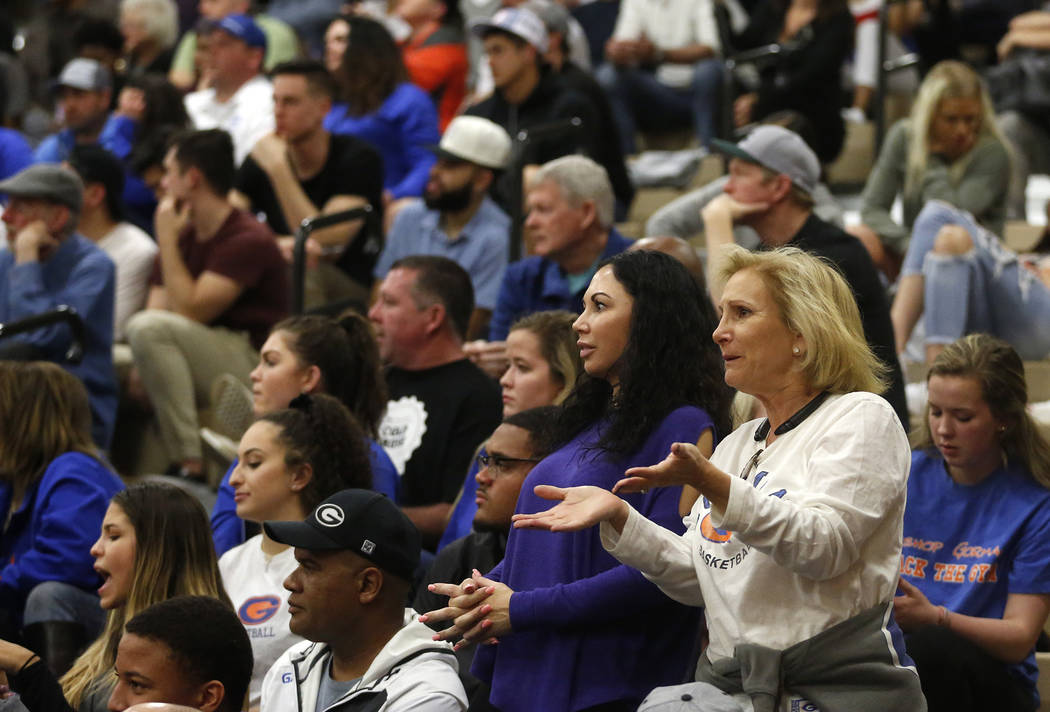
x: 975, y: 566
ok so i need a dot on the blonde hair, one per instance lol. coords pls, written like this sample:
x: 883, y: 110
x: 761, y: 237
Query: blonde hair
x: 174, y: 556
x: 553, y: 330
x: 999, y: 371
x: 947, y: 80
x: 816, y: 303
x: 46, y: 413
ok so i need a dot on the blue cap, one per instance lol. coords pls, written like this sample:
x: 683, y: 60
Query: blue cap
x: 242, y: 27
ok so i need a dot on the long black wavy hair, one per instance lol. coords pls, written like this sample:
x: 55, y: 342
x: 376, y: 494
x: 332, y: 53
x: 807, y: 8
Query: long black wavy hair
x: 670, y: 359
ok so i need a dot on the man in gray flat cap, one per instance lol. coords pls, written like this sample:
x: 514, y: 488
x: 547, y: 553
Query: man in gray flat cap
x: 48, y: 264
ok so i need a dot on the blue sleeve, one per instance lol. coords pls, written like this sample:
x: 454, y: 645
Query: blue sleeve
x: 89, y: 290
x: 67, y: 512
x: 118, y: 135
x: 509, y: 304
x: 227, y: 529
x: 405, y: 225
x: 462, y: 518
x: 384, y: 474
x: 419, y: 129
x: 15, y: 153
x: 1030, y: 568
x: 487, y: 273
x: 51, y: 150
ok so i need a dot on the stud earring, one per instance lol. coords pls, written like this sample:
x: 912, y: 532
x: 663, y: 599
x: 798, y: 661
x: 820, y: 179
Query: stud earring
x: 796, y: 350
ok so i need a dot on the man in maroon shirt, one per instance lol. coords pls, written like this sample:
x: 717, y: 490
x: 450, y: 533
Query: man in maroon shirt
x: 219, y: 285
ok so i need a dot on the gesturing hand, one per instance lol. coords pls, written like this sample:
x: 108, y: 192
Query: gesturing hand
x: 684, y: 465
x: 912, y: 609
x: 579, y: 508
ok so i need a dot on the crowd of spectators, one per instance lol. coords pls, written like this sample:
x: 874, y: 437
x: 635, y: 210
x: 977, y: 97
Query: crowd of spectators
x: 483, y: 449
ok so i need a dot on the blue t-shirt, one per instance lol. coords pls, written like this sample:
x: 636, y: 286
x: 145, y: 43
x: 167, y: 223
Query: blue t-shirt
x: 969, y: 547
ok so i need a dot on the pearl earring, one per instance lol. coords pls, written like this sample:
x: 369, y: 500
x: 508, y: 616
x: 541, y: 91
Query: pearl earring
x: 796, y: 351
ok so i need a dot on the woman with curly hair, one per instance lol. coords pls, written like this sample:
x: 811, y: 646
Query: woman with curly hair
x: 289, y: 461
x: 793, y: 548
x: 576, y: 629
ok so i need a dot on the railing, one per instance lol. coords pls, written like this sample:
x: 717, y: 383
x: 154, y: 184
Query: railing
x: 306, y: 228
x: 60, y: 314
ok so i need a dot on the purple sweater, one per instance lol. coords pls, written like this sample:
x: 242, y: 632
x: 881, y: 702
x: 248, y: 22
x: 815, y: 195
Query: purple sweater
x: 588, y: 630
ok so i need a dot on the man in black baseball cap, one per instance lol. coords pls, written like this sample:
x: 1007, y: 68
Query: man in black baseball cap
x: 357, y: 553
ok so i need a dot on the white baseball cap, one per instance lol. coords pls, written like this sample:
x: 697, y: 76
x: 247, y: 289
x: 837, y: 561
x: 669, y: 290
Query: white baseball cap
x: 517, y: 21
x: 477, y: 140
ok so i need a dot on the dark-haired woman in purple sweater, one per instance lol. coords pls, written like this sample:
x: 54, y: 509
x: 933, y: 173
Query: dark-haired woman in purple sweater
x: 577, y: 630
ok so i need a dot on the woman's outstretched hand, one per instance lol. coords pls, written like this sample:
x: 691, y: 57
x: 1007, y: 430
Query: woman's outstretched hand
x: 684, y: 465
x: 579, y: 508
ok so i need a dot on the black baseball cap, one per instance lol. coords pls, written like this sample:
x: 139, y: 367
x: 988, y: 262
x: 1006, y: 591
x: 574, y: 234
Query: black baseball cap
x: 357, y: 520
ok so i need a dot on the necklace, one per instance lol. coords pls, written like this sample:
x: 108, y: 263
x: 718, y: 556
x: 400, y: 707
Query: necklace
x: 794, y: 421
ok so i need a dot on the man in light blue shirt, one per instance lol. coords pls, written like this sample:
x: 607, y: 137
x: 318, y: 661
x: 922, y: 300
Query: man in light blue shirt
x: 48, y: 264
x: 456, y: 218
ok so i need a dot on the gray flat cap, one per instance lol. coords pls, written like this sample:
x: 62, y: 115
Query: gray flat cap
x: 48, y: 181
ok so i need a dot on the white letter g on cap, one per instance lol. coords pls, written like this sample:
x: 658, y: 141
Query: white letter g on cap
x: 329, y: 515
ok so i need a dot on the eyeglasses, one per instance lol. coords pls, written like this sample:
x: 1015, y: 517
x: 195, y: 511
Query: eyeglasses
x: 500, y: 464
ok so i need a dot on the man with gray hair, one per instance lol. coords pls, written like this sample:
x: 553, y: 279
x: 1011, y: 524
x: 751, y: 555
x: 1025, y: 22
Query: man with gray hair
x: 49, y: 264
x: 569, y: 231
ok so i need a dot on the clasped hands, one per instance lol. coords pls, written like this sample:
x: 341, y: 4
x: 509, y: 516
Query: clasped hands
x: 478, y: 608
